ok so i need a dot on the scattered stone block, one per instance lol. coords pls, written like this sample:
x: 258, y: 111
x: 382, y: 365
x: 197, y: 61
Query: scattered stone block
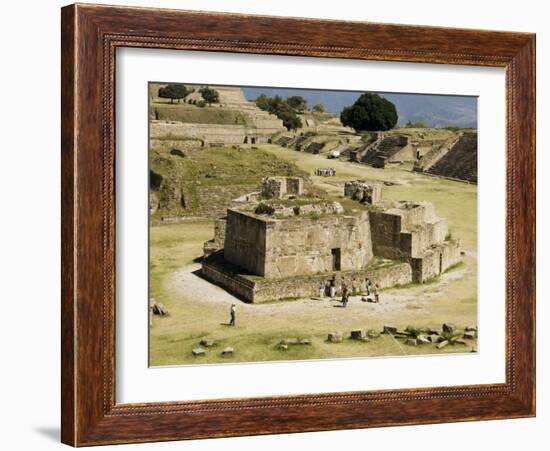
x: 471, y: 329
x: 228, y: 351
x: 289, y: 341
x: 159, y: 309
x: 198, y: 351
x: 449, y: 328
x: 470, y: 335
x: 373, y: 334
x: 431, y: 331
x: 422, y: 339
x: 442, y: 344
x: 207, y: 342
x: 389, y: 329
x: 335, y: 337
x: 401, y: 335
x: 305, y: 341
x: 283, y: 346
x: 459, y: 341
x: 358, y: 334
x: 411, y: 342
x: 435, y: 338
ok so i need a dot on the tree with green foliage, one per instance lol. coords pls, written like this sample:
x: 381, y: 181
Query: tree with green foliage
x: 297, y: 103
x: 280, y: 108
x: 174, y: 91
x: 210, y: 95
x: 319, y: 108
x: 370, y: 112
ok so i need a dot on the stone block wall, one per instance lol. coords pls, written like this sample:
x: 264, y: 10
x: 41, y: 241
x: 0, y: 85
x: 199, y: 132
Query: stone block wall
x: 435, y: 261
x: 299, y: 287
x: 278, y: 187
x: 210, y: 133
x: 304, y: 246
x: 387, y: 239
x: 235, y: 284
x: 245, y: 242
x: 363, y: 192
x: 402, y: 234
x: 218, y: 242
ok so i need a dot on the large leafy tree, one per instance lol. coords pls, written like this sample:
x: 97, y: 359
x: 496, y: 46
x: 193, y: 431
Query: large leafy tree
x: 280, y: 108
x: 210, y: 95
x: 174, y: 91
x: 370, y: 112
x: 319, y: 108
x: 297, y: 103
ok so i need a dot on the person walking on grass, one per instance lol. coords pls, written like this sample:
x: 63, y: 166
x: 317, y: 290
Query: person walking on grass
x: 321, y: 290
x: 233, y: 319
x: 376, y: 293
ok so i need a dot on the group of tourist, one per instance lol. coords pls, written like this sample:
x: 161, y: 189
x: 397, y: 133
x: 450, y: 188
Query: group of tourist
x: 325, y: 172
x: 347, y: 290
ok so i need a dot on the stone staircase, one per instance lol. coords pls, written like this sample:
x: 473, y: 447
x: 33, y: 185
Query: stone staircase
x: 436, y: 154
x: 460, y: 161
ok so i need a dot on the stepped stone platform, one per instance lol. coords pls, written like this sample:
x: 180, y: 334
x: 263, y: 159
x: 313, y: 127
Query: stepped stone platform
x: 261, y: 254
x: 253, y: 289
x: 258, y: 128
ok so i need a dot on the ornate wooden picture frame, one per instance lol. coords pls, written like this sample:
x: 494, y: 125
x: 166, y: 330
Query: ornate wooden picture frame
x: 90, y: 37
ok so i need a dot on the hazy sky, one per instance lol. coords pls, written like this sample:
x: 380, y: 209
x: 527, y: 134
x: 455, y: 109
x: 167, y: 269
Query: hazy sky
x: 434, y: 110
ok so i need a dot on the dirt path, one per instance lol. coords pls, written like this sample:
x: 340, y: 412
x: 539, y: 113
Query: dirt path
x: 192, y: 288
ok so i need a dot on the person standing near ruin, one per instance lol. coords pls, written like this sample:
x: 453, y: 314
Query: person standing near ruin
x: 376, y: 293
x: 369, y: 286
x: 321, y: 290
x: 233, y: 313
x: 332, y: 286
x: 353, y: 286
x: 344, y: 295
x: 344, y: 285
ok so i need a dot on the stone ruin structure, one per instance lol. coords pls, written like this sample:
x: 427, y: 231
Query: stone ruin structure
x: 258, y: 128
x: 278, y: 187
x: 363, y: 192
x: 267, y: 256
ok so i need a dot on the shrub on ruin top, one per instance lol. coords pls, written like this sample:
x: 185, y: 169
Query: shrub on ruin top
x: 264, y: 209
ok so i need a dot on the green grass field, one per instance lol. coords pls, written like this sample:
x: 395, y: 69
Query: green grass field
x: 199, y: 309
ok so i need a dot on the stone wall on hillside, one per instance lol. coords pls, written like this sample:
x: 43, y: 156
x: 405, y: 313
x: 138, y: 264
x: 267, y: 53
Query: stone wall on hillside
x: 210, y: 134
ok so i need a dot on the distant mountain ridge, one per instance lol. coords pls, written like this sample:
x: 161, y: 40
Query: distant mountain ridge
x: 433, y: 109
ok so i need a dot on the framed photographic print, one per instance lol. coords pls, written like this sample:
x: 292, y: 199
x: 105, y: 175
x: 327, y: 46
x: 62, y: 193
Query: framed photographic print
x: 278, y: 225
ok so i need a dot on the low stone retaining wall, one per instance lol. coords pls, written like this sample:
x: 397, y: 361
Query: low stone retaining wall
x: 299, y: 287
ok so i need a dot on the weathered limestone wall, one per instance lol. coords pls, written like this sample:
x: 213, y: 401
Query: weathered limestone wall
x: 245, y: 242
x: 278, y: 187
x: 435, y: 261
x: 387, y: 239
x: 363, y: 192
x: 217, y: 243
x: 303, y: 287
x: 304, y: 246
x: 235, y: 284
x: 210, y: 133
x: 405, y: 233
x: 300, y: 287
